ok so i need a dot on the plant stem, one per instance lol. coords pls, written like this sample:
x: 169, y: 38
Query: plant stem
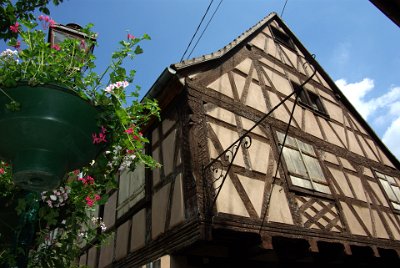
x: 8, y: 96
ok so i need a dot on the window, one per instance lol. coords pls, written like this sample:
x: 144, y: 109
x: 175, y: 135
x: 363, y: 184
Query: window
x: 310, y: 100
x: 391, y: 187
x: 282, y: 38
x: 303, y: 166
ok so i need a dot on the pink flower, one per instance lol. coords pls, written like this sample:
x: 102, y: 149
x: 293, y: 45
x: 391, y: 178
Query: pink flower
x: 103, y: 129
x: 76, y: 171
x: 135, y: 137
x: 130, y: 36
x: 2, y: 171
x: 14, y: 28
x: 89, y: 180
x: 56, y: 47
x: 83, y: 44
x: 41, y: 17
x: 51, y: 22
x: 129, y: 131
x: 89, y: 201
x: 97, y: 197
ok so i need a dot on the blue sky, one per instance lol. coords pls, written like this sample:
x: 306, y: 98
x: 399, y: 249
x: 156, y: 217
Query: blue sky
x: 354, y: 42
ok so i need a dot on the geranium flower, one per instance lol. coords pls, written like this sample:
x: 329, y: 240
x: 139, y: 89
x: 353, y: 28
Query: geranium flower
x: 2, y: 171
x: 130, y: 36
x: 14, y: 28
x: 56, y: 47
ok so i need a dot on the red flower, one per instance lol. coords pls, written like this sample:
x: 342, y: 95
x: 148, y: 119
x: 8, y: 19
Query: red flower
x: 130, y: 36
x: 14, y: 28
x: 2, y: 171
x: 129, y: 131
x: 97, y: 197
x: 89, y: 201
x: 56, y: 47
x: 77, y: 171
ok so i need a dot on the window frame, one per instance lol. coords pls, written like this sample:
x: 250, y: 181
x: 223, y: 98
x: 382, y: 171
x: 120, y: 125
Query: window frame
x: 310, y: 100
x: 282, y: 38
x: 392, y: 185
x: 322, y: 182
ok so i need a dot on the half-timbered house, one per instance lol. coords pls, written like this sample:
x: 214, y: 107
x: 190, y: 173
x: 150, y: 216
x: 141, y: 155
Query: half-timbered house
x: 265, y: 163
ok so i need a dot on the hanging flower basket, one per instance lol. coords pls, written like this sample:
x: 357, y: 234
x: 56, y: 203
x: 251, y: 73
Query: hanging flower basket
x: 48, y: 135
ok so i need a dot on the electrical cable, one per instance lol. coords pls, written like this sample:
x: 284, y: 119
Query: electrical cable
x: 205, y: 28
x: 283, y: 9
x: 198, y: 27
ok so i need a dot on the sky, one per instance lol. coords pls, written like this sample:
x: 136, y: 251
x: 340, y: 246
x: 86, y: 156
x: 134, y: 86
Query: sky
x: 356, y: 44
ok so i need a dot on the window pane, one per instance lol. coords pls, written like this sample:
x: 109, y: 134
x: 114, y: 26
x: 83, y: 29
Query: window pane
x: 396, y: 191
x: 289, y: 140
x: 388, y: 190
x: 322, y: 188
x: 305, y: 147
x: 396, y: 206
x: 301, y: 182
x: 390, y: 179
x: 294, y: 162
x: 314, y: 169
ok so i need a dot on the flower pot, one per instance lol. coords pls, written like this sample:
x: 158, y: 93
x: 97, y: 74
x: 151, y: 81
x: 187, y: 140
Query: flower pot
x: 48, y: 136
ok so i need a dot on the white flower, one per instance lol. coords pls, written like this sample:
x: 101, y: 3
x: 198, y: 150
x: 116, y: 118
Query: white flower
x: 53, y: 197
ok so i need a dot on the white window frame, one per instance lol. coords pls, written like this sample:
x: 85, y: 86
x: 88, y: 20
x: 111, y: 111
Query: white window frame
x: 302, y: 163
x: 391, y: 186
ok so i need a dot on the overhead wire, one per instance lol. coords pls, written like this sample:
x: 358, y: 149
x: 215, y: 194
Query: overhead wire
x: 198, y: 27
x: 283, y: 9
x: 205, y: 28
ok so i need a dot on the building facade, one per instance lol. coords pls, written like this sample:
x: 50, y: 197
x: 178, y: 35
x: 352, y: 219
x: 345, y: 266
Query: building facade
x: 264, y: 163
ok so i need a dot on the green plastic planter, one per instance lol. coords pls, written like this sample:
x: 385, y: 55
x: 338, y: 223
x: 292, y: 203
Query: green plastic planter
x: 50, y: 135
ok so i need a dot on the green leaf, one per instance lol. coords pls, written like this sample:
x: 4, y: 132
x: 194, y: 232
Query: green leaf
x: 138, y: 50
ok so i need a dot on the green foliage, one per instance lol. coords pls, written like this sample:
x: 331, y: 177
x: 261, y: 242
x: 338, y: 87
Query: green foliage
x: 11, y: 11
x: 67, y: 216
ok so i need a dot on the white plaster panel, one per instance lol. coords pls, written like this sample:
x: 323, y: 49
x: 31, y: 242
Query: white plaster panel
x: 281, y: 83
x: 267, y: 31
x: 358, y: 125
x: 159, y: 210
x: 385, y: 159
x: 92, y: 257
x: 279, y: 210
x: 357, y: 187
x: 121, y: 248
x: 221, y: 114
x: 365, y: 215
x: 330, y: 158
x: 346, y: 164
x: 340, y: 178
x: 255, y: 191
x: 138, y: 231
x: 272, y: 65
x: 228, y: 200
x: 367, y: 149
x: 154, y: 136
x: 107, y: 252
x: 167, y: 124
x: 259, y: 41
x: 271, y: 48
x: 255, y: 98
x: 393, y: 224
x: 259, y: 153
x: 379, y: 227
x: 293, y: 77
x: 354, y: 225
x: 329, y: 133
x: 244, y: 66
x: 372, y: 145
x: 227, y: 137
x: 247, y: 124
x: 82, y: 259
x: 367, y: 172
x: 280, y: 113
x: 311, y: 124
x: 327, y: 96
x: 340, y: 131
x: 377, y: 190
x: 178, y: 205
x: 109, y: 210
x: 156, y: 154
x: 168, y: 146
x: 290, y: 56
x: 334, y: 111
x: 353, y: 143
x: 222, y: 85
x: 239, y: 82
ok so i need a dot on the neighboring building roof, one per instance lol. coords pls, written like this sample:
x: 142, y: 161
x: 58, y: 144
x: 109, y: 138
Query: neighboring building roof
x: 391, y: 8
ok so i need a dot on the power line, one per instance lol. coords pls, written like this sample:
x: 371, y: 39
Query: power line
x: 198, y: 27
x: 205, y: 28
x: 283, y: 9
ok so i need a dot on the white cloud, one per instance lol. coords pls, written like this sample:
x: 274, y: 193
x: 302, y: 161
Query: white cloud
x: 383, y: 110
x: 355, y: 93
x: 391, y: 137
